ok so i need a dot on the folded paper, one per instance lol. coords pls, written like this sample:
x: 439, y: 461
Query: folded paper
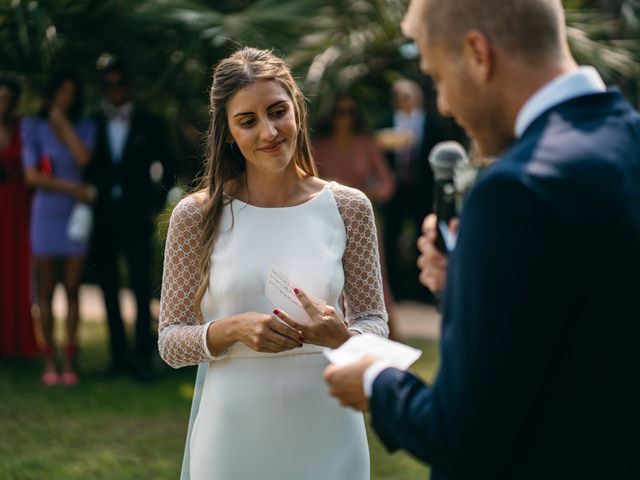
x: 279, y: 290
x: 394, y: 354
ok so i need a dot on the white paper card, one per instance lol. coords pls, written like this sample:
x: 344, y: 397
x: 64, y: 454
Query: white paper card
x: 394, y: 353
x: 279, y: 289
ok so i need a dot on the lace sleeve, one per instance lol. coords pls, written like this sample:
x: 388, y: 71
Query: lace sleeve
x: 181, y: 337
x: 361, y: 262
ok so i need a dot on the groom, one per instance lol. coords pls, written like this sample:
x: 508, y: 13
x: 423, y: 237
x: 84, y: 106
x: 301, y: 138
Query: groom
x: 540, y: 349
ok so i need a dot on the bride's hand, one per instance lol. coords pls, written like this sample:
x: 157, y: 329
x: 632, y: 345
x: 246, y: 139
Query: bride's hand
x: 326, y: 328
x: 265, y: 333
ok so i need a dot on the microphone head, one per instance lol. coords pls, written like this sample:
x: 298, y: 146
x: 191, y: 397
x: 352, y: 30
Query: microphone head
x: 444, y: 158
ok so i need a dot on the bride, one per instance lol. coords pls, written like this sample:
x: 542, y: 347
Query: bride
x: 261, y: 410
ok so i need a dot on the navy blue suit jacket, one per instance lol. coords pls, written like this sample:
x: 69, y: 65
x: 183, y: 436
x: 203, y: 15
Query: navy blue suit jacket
x: 142, y: 198
x: 540, y: 348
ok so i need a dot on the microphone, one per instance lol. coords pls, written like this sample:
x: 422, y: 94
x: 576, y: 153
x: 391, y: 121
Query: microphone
x: 444, y: 158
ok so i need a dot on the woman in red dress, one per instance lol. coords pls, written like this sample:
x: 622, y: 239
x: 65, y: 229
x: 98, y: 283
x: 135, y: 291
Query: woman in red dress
x: 17, y: 336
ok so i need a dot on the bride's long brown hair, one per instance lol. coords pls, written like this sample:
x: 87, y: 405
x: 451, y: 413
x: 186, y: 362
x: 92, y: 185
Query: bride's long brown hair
x: 224, y: 162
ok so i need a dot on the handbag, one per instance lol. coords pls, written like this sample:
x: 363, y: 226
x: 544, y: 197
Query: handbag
x: 80, y: 222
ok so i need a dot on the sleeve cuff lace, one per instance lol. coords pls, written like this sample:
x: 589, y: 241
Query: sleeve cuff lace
x: 374, y: 324
x: 205, y: 345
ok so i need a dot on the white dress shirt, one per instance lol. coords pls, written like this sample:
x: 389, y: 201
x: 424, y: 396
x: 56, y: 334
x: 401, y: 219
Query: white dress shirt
x: 118, y: 124
x: 580, y: 82
x: 412, y: 122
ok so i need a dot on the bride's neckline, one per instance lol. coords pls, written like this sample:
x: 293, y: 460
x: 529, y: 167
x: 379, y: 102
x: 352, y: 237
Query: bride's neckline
x: 306, y: 202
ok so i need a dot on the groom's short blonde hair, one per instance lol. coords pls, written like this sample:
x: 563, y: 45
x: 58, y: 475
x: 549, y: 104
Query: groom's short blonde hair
x: 527, y: 28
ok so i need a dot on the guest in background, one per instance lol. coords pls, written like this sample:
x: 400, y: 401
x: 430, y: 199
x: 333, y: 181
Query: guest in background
x: 57, y: 146
x: 132, y: 170
x: 418, y: 128
x: 17, y: 336
x: 346, y: 153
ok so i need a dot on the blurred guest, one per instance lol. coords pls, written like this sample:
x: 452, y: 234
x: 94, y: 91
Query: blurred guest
x: 132, y: 171
x: 17, y: 336
x: 416, y: 132
x: 344, y: 152
x: 57, y: 146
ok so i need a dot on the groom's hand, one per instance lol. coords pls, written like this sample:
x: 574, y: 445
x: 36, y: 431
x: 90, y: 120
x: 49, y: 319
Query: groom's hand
x: 345, y: 383
x: 432, y: 262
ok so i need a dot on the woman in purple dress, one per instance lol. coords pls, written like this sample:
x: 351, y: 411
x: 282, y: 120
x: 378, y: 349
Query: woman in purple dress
x: 57, y: 146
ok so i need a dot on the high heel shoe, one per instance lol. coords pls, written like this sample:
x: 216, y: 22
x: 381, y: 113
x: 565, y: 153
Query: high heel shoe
x: 70, y: 378
x: 50, y: 379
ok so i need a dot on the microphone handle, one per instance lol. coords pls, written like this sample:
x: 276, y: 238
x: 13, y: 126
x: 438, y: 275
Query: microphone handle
x: 444, y: 206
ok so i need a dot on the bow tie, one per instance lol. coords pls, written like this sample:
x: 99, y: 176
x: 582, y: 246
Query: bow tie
x: 118, y: 114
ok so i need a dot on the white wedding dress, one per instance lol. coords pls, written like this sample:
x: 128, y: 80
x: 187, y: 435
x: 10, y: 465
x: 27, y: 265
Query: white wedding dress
x: 261, y: 415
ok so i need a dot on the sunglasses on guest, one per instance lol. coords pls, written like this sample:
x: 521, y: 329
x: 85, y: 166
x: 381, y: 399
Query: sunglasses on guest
x: 123, y: 82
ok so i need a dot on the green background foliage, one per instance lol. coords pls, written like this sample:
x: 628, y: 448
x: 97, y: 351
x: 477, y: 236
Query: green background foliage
x: 332, y: 45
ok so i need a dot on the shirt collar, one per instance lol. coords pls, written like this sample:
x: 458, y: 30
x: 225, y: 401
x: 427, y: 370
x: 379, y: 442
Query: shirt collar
x: 580, y: 82
x: 123, y: 111
x: 412, y: 115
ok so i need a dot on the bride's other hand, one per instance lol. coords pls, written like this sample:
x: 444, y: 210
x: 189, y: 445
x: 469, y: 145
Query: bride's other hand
x: 326, y: 327
x: 265, y: 333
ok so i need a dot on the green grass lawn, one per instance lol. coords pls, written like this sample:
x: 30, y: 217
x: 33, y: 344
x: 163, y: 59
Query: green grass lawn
x: 117, y: 429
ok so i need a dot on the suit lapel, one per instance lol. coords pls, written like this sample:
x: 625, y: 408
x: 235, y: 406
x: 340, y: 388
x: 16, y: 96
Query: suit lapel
x: 106, y: 144
x: 134, y: 126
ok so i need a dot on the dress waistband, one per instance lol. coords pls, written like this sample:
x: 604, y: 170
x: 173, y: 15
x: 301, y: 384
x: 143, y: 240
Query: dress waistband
x: 242, y: 351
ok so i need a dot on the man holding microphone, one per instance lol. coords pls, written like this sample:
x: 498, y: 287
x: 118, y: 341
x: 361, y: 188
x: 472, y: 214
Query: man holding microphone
x: 539, y: 375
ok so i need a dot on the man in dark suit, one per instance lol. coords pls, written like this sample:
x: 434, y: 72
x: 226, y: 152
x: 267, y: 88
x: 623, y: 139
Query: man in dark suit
x: 539, y: 374
x: 132, y: 170
x: 413, y: 197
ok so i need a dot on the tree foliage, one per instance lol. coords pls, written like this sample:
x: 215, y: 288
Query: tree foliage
x: 606, y: 33
x: 332, y: 44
